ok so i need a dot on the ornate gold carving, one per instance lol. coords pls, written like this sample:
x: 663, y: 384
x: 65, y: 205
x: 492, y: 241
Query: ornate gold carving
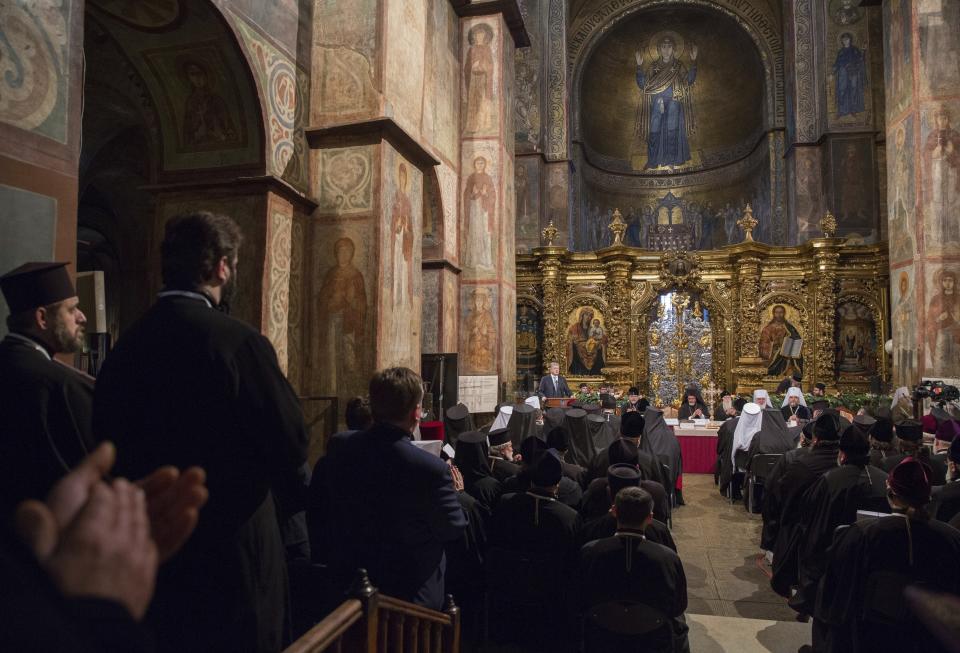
x: 748, y: 223
x: 679, y: 269
x: 549, y: 234
x: 828, y: 225
x: 618, y: 227
x: 826, y: 300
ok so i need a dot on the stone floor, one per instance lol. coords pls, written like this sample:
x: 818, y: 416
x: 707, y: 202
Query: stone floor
x: 731, y: 606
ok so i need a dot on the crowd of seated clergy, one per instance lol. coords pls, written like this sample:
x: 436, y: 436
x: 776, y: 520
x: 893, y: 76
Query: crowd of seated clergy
x: 855, y: 509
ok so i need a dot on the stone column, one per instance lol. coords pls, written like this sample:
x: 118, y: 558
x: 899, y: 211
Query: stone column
x: 922, y: 71
x: 487, y: 231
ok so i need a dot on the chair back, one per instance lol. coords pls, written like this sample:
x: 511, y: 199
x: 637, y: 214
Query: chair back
x: 626, y: 626
x: 517, y: 578
x: 763, y: 463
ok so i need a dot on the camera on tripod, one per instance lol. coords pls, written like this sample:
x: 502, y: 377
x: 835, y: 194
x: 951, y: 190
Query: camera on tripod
x: 937, y: 391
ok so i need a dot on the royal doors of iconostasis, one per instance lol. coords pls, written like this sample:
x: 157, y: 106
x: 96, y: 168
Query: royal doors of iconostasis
x: 679, y: 345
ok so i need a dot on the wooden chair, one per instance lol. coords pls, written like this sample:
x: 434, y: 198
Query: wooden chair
x: 368, y: 622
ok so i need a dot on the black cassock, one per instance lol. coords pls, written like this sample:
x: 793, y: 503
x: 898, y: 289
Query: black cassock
x: 45, y: 421
x: 798, y: 477
x: 686, y: 411
x: 187, y: 385
x: 774, y: 436
x: 927, y: 554
x: 569, y: 493
x: 725, y: 453
x: 606, y: 526
x: 629, y: 567
x: 533, y: 524
x: 649, y: 468
x: 596, y: 500
x: 831, y: 501
x: 660, y: 442
x: 773, y: 497
x: 945, y: 503
x: 502, y: 469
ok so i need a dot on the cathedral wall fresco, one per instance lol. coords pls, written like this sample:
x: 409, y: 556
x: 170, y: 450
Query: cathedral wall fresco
x: 405, y: 27
x: 922, y: 73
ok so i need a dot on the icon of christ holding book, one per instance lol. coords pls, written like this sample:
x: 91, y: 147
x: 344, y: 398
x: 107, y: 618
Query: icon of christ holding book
x: 781, y: 345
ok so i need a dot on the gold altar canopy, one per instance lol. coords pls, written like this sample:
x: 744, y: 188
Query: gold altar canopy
x: 820, y: 309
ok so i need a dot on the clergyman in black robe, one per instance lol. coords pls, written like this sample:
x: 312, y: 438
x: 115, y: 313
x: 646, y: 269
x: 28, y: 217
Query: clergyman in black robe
x: 631, y: 428
x: 833, y: 500
x: 660, y: 442
x: 796, y: 480
x: 45, y: 414
x: 602, y: 524
x: 629, y: 567
x: 624, y: 451
x: 945, y: 503
x: 860, y: 598
x: 694, y: 407
x: 569, y: 492
x: 471, y: 459
x: 500, y: 454
x: 188, y: 385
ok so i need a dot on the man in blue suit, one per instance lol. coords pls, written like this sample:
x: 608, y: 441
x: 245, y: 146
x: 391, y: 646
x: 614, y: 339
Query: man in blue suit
x: 393, y: 506
x: 553, y: 385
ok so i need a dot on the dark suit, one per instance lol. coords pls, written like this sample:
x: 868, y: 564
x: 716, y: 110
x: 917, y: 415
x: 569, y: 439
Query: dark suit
x: 393, y: 508
x: 187, y: 385
x: 45, y: 421
x: 547, y: 388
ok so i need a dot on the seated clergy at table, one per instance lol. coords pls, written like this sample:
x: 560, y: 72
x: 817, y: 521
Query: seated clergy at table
x: 631, y: 428
x: 720, y: 412
x: 794, y: 407
x: 831, y: 501
x: 772, y: 502
x: 629, y: 567
x: 909, y: 434
x: 881, y: 438
x: 660, y: 442
x: 635, y: 402
x: 623, y: 452
x: 604, y: 524
x: 471, y: 459
x: 797, y: 478
x: 693, y: 406
x: 569, y: 491
x: 557, y: 439
x: 860, y: 602
x: 945, y: 502
x: 500, y: 457
x: 762, y: 398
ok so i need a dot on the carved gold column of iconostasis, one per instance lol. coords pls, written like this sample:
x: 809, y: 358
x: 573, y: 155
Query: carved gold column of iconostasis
x: 487, y: 322
x: 922, y: 74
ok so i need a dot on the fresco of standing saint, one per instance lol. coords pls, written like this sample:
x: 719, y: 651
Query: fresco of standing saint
x: 665, y: 114
x: 850, y: 77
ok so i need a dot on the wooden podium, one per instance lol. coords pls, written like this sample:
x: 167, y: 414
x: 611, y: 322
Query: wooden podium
x: 557, y: 402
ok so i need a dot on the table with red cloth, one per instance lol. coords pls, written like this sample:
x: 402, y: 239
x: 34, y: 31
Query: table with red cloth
x: 698, y: 445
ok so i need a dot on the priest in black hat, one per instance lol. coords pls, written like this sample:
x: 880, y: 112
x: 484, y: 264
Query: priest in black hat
x: 45, y: 413
x: 501, y: 456
x: 909, y: 434
x: 861, y: 598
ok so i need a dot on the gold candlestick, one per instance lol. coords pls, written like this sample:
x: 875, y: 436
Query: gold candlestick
x: 748, y: 223
x: 828, y: 225
x: 549, y: 233
x: 618, y: 227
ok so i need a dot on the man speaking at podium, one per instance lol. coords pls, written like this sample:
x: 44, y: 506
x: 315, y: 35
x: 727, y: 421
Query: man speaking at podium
x: 553, y: 385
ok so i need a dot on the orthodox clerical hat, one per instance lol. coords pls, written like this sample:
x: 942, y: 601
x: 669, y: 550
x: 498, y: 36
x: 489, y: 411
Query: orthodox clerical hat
x: 558, y: 439
x: 827, y: 426
x: 910, y: 480
x: 634, y: 390
x: 620, y: 476
x: 608, y: 401
x: 36, y: 284
x: 910, y: 430
x: 820, y: 404
x: 623, y: 452
x: 865, y: 422
x: 739, y: 403
x: 498, y: 437
x: 458, y: 412
x: 472, y: 437
x: 854, y: 440
x: 631, y: 425
x: 532, y: 447
x: 882, y: 430
x: 948, y: 430
x: 547, y: 470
